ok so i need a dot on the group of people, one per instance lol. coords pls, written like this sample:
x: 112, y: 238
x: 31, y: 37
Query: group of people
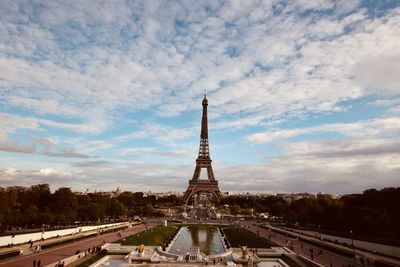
x: 91, y: 251
x: 37, y: 263
x: 289, y: 244
x: 97, y: 249
x: 364, y: 261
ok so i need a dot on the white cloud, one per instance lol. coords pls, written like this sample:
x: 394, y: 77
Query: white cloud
x: 135, y: 151
x: 13, y: 146
x: 346, y: 6
x: 143, y: 75
x: 45, y: 142
x: 162, y: 134
x: 12, y: 123
x: 51, y: 172
x: 382, y: 127
x: 380, y: 73
x: 304, y: 5
x: 7, y: 145
x: 55, y: 177
x: 344, y: 149
x: 82, y: 68
x: 10, y: 145
x: 65, y: 153
x: 319, y: 166
x: 87, y: 127
x: 343, y: 166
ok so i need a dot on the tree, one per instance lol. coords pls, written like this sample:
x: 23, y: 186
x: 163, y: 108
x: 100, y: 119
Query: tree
x: 235, y: 209
x: 127, y: 198
x: 8, y: 200
x: 42, y: 195
x: 116, y: 209
x: 64, y: 204
x: 279, y: 208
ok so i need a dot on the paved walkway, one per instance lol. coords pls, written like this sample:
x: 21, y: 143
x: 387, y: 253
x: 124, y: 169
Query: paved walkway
x: 327, y: 258
x: 59, y: 253
x: 365, y: 253
x: 27, y: 249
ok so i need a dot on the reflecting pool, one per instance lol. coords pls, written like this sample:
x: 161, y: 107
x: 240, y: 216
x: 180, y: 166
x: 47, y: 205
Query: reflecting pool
x: 206, y: 238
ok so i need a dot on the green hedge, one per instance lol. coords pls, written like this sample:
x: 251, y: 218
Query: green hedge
x: 9, y: 254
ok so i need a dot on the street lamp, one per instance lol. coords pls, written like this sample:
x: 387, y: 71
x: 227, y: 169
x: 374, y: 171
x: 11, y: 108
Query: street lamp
x: 352, y: 243
x: 319, y: 231
x: 41, y: 238
x: 75, y: 234
x: 12, y: 239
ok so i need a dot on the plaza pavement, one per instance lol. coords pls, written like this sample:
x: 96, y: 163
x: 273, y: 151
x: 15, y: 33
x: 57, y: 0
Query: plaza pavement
x: 366, y: 253
x: 327, y: 258
x: 61, y: 252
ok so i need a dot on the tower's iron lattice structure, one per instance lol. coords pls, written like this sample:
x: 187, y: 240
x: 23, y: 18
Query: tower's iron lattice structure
x: 203, y: 161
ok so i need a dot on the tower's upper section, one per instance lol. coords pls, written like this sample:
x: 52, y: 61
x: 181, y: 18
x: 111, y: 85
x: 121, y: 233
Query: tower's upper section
x: 204, y: 122
x: 204, y: 150
x: 205, y: 101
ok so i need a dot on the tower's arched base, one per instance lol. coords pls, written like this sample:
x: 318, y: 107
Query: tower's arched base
x: 202, y: 186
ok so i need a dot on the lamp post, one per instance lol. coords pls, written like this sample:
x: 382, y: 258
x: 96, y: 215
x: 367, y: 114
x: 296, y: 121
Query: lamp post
x: 352, y: 243
x: 319, y: 231
x: 41, y: 238
x: 12, y: 239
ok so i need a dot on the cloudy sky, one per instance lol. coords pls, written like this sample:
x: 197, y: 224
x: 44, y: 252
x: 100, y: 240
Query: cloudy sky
x: 303, y: 95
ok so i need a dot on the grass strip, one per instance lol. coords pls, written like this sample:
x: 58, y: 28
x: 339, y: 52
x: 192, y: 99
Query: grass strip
x: 91, y: 260
x: 156, y: 236
x: 238, y: 236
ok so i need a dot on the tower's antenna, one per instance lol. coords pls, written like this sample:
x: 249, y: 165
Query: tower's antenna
x: 205, y: 92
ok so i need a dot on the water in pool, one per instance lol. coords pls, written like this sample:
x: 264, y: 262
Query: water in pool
x: 205, y: 237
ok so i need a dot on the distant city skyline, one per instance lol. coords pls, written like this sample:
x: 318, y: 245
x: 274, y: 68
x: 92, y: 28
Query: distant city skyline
x: 303, y: 96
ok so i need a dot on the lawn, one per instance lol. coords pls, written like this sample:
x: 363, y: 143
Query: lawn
x: 238, y: 236
x: 91, y: 260
x: 156, y: 236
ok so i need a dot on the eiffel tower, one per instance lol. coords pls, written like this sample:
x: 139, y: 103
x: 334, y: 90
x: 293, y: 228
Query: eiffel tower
x: 203, y: 161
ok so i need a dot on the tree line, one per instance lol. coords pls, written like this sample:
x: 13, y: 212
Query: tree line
x: 372, y: 213
x: 35, y: 206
